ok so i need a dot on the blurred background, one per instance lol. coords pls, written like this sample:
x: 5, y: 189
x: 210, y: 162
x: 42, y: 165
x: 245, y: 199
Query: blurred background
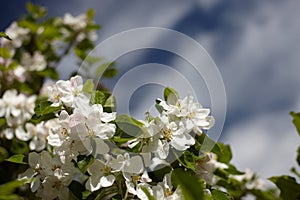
x: 255, y: 44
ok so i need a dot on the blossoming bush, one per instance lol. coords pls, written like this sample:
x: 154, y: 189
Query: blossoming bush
x: 64, y: 140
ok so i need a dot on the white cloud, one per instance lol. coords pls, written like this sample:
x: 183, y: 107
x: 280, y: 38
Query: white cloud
x: 264, y: 144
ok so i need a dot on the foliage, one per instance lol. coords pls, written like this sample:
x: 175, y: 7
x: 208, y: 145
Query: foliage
x: 64, y: 140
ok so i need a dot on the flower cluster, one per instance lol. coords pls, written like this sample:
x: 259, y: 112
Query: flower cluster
x: 81, y: 128
x: 73, y: 145
x: 17, y: 109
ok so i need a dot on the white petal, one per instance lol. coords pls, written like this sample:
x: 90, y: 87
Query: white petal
x: 107, y: 181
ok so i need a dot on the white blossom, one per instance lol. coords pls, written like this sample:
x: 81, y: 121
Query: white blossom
x: 69, y: 92
x: 101, y: 176
x: 17, y: 35
x: 36, y: 62
x: 191, y: 113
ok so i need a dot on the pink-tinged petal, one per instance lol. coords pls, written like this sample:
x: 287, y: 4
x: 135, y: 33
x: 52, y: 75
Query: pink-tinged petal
x: 77, y: 82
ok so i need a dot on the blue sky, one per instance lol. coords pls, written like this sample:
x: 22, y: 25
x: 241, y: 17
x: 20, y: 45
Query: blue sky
x: 255, y: 45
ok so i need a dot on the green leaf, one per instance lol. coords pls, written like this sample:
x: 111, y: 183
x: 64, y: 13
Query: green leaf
x: 90, y: 14
x: 2, y: 121
x: 4, y: 36
x: 149, y: 196
x: 98, y: 97
x: 88, y: 86
x: 130, y: 126
x: 192, y: 188
x: 35, y: 119
x: 84, y: 162
x: 77, y: 189
x: 5, y: 52
x: 44, y: 107
x: 9, y: 188
x: 171, y: 96
x: 110, y: 73
x: 10, y: 197
x: 296, y: 120
x: 225, y: 154
x: 19, y: 147
x: 110, y: 104
x: 219, y: 195
x: 3, y: 154
x: 298, y: 156
x: 33, y: 27
x: 49, y: 73
x: 35, y: 10
x: 16, y: 159
x: 289, y: 188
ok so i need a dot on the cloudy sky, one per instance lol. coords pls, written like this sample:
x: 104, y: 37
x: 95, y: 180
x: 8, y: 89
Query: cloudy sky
x: 255, y: 45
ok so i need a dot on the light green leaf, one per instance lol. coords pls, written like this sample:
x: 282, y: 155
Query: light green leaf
x: 171, y: 96
x: 16, y: 159
x: 5, y: 52
x: 98, y: 97
x: 88, y: 86
x: 130, y: 126
x: 35, y: 10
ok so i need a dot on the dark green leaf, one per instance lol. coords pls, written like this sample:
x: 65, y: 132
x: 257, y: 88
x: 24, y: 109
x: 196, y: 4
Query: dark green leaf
x: 77, y: 189
x: 289, y: 188
x: 192, y: 188
x: 219, y: 195
x: 2, y: 121
x: 298, y: 156
x: 16, y: 159
x: 35, y: 119
x: 225, y: 155
x: 44, y: 107
x: 4, y: 36
x: 171, y: 96
x: 110, y: 73
x: 296, y: 120
x: 3, y: 154
x: 19, y: 147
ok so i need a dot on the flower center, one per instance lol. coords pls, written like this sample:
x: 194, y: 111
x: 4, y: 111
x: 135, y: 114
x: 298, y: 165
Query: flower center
x: 168, y: 192
x: 168, y: 134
